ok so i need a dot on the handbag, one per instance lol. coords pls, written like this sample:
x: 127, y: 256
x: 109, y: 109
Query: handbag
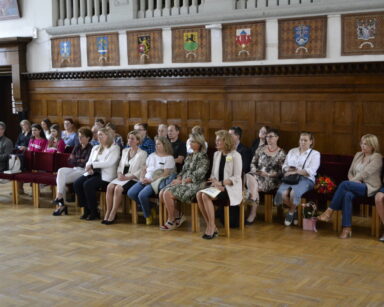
x: 294, y: 178
x: 14, y: 165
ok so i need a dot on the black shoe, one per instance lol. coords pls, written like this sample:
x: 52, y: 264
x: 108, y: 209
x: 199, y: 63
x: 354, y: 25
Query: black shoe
x: 84, y: 216
x: 93, y: 216
x: 208, y: 237
x: 109, y: 222
x: 59, y: 202
x: 249, y: 223
x: 104, y: 221
x: 60, y: 210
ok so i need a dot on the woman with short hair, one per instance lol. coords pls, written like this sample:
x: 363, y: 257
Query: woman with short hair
x: 364, y: 179
x: 100, y: 169
x: 130, y: 167
x: 301, y: 164
x: 65, y: 175
x: 226, y: 177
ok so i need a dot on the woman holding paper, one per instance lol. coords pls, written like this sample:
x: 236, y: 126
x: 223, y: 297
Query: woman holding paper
x: 128, y: 173
x: 99, y: 171
x: 187, y: 183
x: 225, y: 180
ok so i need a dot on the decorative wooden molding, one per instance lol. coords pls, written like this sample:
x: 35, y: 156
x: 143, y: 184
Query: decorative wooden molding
x: 301, y: 38
x: 277, y: 70
x: 362, y: 33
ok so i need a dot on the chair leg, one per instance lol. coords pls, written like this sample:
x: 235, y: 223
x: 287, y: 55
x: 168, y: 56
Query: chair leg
x: 103, y: 203
x: 226, y: 222
x: 36, y: 195
x: 268, y: 208
x: 367, y: 210
x: 196, y: 217
x: 300, y: 212
x: 373, y: 222
x: 14, y: 191
x: 17, y: 195
x: 161, y: 213
x: 242, y: 216
x: 134, y: 211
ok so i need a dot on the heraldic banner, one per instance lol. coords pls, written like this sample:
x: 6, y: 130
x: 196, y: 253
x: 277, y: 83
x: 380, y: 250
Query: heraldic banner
x: 103, y: 49
x: 362, y: 33
x: 303, y: 38
x: 192, y: 44
x: 244, y: 41
x: 145, y: 47
x: 66, y: 52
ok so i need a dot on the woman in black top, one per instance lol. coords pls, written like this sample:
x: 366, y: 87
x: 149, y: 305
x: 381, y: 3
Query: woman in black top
x: 24, y: 136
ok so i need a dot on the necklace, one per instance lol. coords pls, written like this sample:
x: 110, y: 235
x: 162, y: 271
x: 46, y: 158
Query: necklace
x: 132, y: 153
x: 272, y: 150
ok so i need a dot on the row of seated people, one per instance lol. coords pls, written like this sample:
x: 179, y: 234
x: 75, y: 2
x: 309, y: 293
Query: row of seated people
x: 269, y: 165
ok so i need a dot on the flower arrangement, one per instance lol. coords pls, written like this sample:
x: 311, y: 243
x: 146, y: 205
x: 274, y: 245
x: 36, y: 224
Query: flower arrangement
x: 324, y: 185
x: 309, y: 210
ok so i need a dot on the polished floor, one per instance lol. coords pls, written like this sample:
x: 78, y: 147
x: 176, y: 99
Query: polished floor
x: 63, y: 261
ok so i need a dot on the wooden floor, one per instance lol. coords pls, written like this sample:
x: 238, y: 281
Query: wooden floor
x: 47, y: 260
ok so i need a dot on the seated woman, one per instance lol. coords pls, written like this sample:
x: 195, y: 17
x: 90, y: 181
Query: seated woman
x: 159, y: 165
x: 118, y: 138
x: 55, y: 142
x: 188, y: 182
x: 24, y: 136
x: 38, y: 142
x: 100, y: 170
x: 46, y: 125
x: 225, y: 176
x: 66, y: 175
x: 364, y: 179
x: 69, y: 134
x: 131, y: 165
x: 266, y: 171
x: 303, y: 161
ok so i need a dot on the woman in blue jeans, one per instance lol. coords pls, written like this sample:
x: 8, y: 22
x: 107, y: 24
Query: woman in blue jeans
x: 363, y: 180
x: 159, y: 166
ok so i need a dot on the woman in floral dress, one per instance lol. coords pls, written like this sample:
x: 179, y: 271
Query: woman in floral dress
x: 265, y: 171
x: 190, y: 180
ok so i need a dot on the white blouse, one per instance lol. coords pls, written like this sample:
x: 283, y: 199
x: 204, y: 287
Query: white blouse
x: 297, y: 159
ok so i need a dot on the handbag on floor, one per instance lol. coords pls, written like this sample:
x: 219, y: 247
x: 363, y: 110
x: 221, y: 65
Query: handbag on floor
x: 14, y: 165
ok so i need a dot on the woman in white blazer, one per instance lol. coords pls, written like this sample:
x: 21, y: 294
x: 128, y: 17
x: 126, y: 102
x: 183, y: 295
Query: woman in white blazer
x: 131, y: 164
x: 226, y: 177
x: 100, y: 169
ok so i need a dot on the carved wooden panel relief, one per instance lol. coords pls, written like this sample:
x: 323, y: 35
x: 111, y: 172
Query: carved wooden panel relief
x: 145, y: 47
x: 103, y: 49
x: 66, y: 52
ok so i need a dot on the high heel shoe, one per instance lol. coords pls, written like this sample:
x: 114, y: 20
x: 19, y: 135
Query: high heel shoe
x: 60, y: 210
x: 110, y: 222
x: 346, y: 233
x: 326, y: 216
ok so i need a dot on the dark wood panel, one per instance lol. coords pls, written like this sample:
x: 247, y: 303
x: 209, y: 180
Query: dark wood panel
x: 337, y: 108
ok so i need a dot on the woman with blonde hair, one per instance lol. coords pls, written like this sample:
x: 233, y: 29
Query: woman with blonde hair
x: 226, y: 177
x: 187, y: 183
x: 364, y: 179
x: 100, y: 169
x: 196, y: 130
x: 299, y: 171
x: 160, y: 166
x: 128, y: 173
x: 24, y: 136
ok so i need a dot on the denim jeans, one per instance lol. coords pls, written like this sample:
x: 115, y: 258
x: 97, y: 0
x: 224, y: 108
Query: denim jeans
x: 141, y: 193
x: 342, y: 200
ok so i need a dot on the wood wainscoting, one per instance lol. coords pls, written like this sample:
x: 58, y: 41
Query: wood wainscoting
x: 337, y: 102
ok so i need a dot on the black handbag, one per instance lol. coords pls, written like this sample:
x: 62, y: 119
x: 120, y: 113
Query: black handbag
x: 294, y: 178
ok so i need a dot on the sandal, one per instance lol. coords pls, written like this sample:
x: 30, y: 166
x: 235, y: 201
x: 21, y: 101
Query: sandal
x: 168, y: 226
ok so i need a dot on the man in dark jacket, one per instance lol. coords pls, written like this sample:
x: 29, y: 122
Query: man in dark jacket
x: 244, y: 151
x: 6, y: 147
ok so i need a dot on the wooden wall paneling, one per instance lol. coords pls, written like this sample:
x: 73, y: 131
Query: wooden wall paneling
x: 85, y: 113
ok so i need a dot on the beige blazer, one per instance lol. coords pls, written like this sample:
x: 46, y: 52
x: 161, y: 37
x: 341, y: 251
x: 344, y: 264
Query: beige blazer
x: 371, y: 175
x: 136, y: 164
x: 232, y: 170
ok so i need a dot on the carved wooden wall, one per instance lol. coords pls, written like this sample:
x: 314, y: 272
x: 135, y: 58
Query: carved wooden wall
x: 337, y: 105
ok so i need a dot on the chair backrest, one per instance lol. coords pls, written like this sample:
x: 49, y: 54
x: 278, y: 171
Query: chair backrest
x: 44, y: 161
x: 27, y: 160
x: 61, y: 160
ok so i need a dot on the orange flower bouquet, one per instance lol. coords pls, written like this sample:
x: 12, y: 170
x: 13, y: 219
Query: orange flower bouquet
x: 324, y: 185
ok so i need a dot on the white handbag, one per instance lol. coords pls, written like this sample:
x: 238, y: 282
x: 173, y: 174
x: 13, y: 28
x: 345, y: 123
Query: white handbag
x: 14, y: 165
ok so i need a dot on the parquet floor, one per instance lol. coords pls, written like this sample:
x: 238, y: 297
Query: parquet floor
x: 63, y: 261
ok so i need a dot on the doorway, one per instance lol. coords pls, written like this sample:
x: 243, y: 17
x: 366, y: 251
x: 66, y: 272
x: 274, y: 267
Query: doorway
x: 7, y: 114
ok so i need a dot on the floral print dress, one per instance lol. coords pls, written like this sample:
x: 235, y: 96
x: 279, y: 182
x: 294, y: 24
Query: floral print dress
x: 196, y: 166
x: 263, y: 162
